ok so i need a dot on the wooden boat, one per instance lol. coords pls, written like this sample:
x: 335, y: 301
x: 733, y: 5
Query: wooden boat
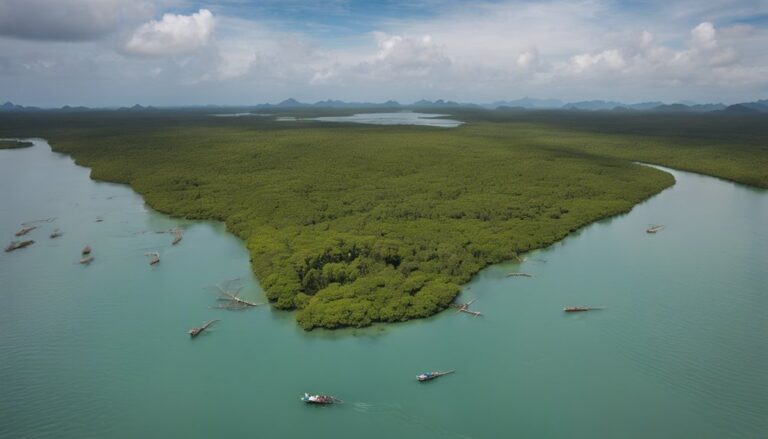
x: 176, y: 237
x: 519, y: 275
x: 654, y: 229
x: 15, y: 245
x: 86, y: 260
x: 25, y: 230
x: 579, y: 308
x: 428, y: 376
x: 56, y: 233
x: 194, y: 332
x: 86, y: 250
x: 319, y: 399
x: 155, y: 258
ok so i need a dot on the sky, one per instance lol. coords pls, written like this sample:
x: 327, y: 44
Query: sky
x: 241, y: 52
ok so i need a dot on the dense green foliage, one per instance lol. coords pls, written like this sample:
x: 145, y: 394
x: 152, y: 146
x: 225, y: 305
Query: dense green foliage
x: 354, y: 224
x: 14, y: 144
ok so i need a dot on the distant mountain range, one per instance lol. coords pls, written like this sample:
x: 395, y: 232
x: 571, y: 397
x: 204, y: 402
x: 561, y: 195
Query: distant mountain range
x: 523, y: 104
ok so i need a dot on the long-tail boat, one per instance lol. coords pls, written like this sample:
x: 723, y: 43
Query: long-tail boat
x: 579, y: 308
x: 654, y: 229
x: 155, y: 258
x: 177, y: 237
x: 15, y: 245
x: 194, y: 332
x: 428, y: 376
x: 25, y: 230
x: 319, y: 399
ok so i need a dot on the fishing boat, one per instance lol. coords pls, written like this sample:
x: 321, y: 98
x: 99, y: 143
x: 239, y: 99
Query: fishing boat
x: 654, y: 229
x: 177, y: 236
x: 194, y: 332
x: 319, y: 399
x: 155, y: 258
x: 427, y: 376
x: 579, y: 308
x: 15, y: 245
x: 25, y: 230
x: 86, y: 250
x: 86, y: 260
x: 56, y: 233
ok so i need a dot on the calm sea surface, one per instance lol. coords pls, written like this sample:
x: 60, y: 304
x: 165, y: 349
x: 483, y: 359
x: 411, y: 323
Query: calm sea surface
x: 680, y: 350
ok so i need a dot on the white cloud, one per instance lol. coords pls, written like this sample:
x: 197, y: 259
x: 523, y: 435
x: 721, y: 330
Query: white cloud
x: 583, y: 49
x: 172, y: 35
x: 703, y: 36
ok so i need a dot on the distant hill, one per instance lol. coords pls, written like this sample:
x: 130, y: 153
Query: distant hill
x: 741, y: 109
x: 10, y: 106
x: 527, y: 102
x: 523, y: 104
x: 759, y: 106
x: 593, y: 105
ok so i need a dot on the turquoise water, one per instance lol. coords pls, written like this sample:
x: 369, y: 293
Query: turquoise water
x: 102, y: 350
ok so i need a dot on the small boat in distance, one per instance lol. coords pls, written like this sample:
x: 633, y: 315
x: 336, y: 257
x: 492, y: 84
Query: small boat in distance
x: 86, y: 260
x: 177, y: 236
x: 579, y: 308
x: 428, y: 376
x: 319, y: 399
x: 155, y: 258
x: 56, y: 233
x: 86, y: 250
x: 654, y: 229
x: 194, y: 332
x: 25, y: 230
x: 15, y: 245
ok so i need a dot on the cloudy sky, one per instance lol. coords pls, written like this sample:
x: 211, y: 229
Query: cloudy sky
x: 177, y: 52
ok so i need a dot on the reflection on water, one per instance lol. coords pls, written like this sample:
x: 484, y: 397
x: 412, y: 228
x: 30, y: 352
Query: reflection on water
x: 399, y: 118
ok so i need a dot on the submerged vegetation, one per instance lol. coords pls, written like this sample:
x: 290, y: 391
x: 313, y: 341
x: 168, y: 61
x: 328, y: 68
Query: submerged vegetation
x: 353, y: 224
x: 14, y: 144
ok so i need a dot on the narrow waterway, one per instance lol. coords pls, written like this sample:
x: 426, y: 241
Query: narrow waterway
x: 680, y: 349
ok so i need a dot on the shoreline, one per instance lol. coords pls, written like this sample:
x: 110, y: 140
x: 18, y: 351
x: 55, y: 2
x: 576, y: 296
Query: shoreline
x: 462, y: 286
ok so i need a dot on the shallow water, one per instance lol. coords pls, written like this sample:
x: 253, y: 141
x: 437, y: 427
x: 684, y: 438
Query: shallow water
x: 102, y: 350
x: 398, y: 118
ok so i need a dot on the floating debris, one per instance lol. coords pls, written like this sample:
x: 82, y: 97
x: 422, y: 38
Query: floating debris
x: 15, y: 245
x: 428, y: 376
x: 519, y: 275
x: 56, y: 233
x: 194, y: 332
x: 464, y: 307
x: 25, y: 230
